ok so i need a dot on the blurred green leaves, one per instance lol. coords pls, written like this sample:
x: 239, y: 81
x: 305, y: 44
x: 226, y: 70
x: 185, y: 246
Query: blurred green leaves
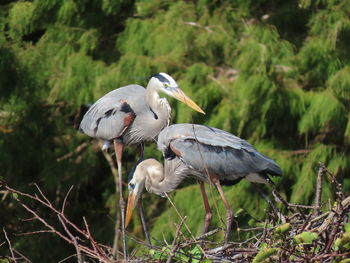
x: 279, y: 83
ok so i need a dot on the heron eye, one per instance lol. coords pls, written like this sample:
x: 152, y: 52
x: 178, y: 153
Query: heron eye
x: 165, y: 85
x: 132, y: 186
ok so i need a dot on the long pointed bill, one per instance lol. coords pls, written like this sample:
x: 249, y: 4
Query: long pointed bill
x: 130, y: 207
x: 181, y: 96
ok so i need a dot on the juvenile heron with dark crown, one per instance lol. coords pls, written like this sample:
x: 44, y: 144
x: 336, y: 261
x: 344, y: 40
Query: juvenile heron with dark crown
x: 131, y: 115
x: 210, y: 155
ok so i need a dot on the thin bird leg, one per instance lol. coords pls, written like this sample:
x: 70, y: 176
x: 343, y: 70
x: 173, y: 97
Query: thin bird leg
x: 140, y: 150
x: 229, y: 218
x: 208, y: 214
x: 118, y: 148
x: 143, y: 222
x: 141, y: 210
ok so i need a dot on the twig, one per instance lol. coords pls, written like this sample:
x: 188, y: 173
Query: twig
x: 65, y: 199
x: 10, y: 246
x: 281, y: 217
x: 320, y: 173
x: 80, y: 148
x: 66, y: 258
x: 51, y: 228
x: 94, y: 244
x: 251, y: 229
x: 24, y: 257
x: 331, y: 255
x: 316, y: 219
x: 43, y: 196
x: 305, y: 223
x: 4, y: 193
x: 329, y: 219
x: 319, y: 217
x: 208, y: 234
x: 97, y: 252
x: 335, y: 181
x: 33, y: 232
x: 141, y: 242
x: 219, y: 249
x: 264, y: 231
x: 243, y: 250
x: 74, y: 240
x: 175, y: 245
x: 111, y: 164
x: 181, y: 217
x: 49, y: 205
x: 279, y: 199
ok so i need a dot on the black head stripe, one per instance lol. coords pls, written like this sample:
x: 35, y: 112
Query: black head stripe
x: 131, y: 174
x: 161, y: 78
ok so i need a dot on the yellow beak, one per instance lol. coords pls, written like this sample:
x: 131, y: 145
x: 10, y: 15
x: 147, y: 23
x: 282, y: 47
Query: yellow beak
x: 181, y: 96
x: 129, y: 208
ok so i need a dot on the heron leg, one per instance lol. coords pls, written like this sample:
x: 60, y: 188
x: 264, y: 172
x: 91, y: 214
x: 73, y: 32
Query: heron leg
x: 229, y: 217
x: 141, y: 148
x: 143, y: 222
x: 118, y: 148
x: 208, y: 214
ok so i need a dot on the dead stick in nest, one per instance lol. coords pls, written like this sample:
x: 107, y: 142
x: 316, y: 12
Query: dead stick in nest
x: 275, y: 210
x: 175, y: 244
x: 320, y: 173
x: 208, y: 234
x: 219, y: 249
x: 345, y: 204
x: 331, y: 255
x: 280, y: 199
x: 182, y: 219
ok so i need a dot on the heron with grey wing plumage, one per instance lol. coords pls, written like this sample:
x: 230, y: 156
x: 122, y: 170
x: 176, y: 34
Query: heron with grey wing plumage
x: 131, y: 115
x: 210, y: 155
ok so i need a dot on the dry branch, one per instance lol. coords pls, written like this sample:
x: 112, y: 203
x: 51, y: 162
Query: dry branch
x: 300, y: 221
x: 9, y: 244
x: 81, y: 239
x: 324, y: 228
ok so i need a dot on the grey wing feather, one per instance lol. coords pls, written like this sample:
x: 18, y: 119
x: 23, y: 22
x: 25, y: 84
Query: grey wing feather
x: 105, y: 118
x: 222, y: 153
x: 204, y: 134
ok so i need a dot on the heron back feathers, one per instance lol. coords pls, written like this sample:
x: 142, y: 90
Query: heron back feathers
x: 206, y: 149
x: 108, y: 117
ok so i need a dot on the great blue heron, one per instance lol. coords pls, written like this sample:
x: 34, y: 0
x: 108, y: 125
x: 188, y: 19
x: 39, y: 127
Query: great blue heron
x: 210, y: 155
x: 131, y: 115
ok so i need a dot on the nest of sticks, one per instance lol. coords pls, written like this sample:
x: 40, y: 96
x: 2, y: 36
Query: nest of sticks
x: 299, y: 234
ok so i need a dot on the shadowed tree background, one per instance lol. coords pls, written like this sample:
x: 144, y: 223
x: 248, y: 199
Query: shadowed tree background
x: 276, y: 73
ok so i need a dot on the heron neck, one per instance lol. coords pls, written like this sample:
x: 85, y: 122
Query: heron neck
x: 159, y: 106
x: 163, y: 179
x: 152, y: 96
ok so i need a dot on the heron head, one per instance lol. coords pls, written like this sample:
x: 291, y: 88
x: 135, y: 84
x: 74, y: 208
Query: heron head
x: 168, y: 85
x: 135, y: 187
x: 147, y: 173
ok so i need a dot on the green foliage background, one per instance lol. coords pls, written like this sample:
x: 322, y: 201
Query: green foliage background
x: 276, y: 73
